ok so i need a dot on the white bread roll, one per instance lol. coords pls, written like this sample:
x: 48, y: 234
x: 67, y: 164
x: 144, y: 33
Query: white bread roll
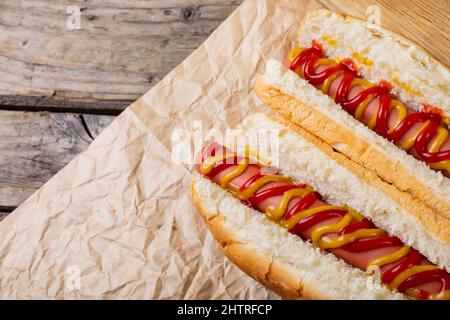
x: 428, y: 82
x: 274, y: 257
x: 417, y: 78
x: 284, y: 262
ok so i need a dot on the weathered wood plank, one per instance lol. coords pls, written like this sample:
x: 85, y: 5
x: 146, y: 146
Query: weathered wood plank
x: 96, y: 123
x: 25, y: 102
x: 35, y: 146
x: 120, y: 51
x: 425, y: 22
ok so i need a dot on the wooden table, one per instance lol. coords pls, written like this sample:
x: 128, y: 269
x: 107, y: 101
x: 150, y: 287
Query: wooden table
x: 59, y: 86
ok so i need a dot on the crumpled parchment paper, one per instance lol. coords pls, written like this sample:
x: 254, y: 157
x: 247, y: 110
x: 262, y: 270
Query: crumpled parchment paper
x: 118, y: 221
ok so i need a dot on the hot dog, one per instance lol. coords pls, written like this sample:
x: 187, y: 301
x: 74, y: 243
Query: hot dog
x: 297, y: 207
x: 423, y: 134
x: 380, y: 96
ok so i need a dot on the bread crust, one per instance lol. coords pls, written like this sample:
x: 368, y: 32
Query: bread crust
x: 365, y: 161
x: 253, y: 262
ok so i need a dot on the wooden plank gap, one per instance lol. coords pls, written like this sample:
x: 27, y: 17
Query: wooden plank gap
x: 6, y: 209
x: 104, y: 111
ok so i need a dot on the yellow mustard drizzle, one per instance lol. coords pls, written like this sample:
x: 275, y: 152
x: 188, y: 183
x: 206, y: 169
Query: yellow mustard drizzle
x: 443, y: 295
x: 337, y: 242
x: 355, y: 214
x: 397, y: 105
x: 363, y: 83
x: 226, y: 178
x: 439, y: 140
x: 258, y: 184
x: 329, y: 80
x: 398, y: 280
x: 373, y: 121
x: 260, y: 159
x: 278, y: 213
x: 362, y: 108
x: 209, y: 163
x: 329, y: 40
x: 393, y: 257
x: 326, y: 61
x: 436, y: 145
x: 441, y: 165
x: 319, y: 234
x: 446, y: 121
x: 297, y: 217
x: 402, y: 112
x: 294, y: 53
x: 405, y: 86
x: 250, y: 154
x: 362, y: 59
x: 409, y: 142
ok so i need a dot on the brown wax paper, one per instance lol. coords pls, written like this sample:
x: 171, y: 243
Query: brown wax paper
x: 118, y: 221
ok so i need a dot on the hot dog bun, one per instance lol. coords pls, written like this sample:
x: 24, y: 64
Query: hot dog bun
x: 417, y: 79
x: 285, y: 263
x: 307, y: 273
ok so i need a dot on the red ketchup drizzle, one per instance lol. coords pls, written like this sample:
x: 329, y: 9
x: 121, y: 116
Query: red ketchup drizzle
x: 317, y: 218
x: 305, y: 63
x: 224, y: 165
x: 372, y: 243
x: 363, y: 224
x: 260, y: 196
x: 424, y: 277
x: 413, y: 258
x: 303, y: 204
x: 360, y: 245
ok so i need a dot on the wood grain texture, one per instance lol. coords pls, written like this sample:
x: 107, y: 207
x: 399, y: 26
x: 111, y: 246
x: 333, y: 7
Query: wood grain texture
x: 425, y: 22
x: 121, y: 50
x: 96, y: 123
x: 35, y: 146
